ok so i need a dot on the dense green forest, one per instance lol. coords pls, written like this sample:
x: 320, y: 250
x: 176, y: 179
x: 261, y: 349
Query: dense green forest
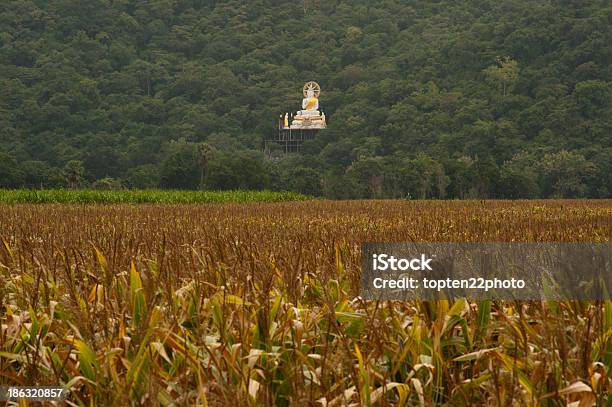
x: 425, y: 98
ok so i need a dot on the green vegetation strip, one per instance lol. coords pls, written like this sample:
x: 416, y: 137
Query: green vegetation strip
x: 144, y: 196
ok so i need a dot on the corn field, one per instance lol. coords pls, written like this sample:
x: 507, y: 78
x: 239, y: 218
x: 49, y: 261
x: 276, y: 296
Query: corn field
x: 142, y: 196
x: 257, y: 304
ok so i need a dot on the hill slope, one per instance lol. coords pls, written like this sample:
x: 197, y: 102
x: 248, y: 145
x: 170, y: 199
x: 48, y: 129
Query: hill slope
x: 424, y: 98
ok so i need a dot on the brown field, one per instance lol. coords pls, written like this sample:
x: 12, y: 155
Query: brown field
x: 257, y: 304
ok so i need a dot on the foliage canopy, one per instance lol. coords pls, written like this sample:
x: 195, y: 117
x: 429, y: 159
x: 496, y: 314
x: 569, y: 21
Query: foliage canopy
x: 438, y: 99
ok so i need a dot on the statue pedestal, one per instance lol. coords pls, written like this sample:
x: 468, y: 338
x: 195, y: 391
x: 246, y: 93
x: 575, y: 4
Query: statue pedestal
x: 308, y: 121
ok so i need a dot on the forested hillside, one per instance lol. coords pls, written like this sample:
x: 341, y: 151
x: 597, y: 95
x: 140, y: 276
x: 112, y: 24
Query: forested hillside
x: 425, y: 99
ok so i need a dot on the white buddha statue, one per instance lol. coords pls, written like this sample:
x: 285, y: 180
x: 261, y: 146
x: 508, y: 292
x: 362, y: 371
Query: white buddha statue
x: 310, y: 104
x: 309, y: 117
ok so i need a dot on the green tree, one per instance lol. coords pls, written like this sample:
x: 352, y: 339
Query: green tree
x: 74, y: 171
x: 519, y: 177
x: 592, y: 97
x: 204, y: 152
x: 180, y: 168
x: 107, y: 183
x: 10, y: 175
x: 304, y: 180
x: 144, y: 176
x: 504, y: 73
x: 565, y: 174
x: 367, y: 175
x: 421, y: 177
